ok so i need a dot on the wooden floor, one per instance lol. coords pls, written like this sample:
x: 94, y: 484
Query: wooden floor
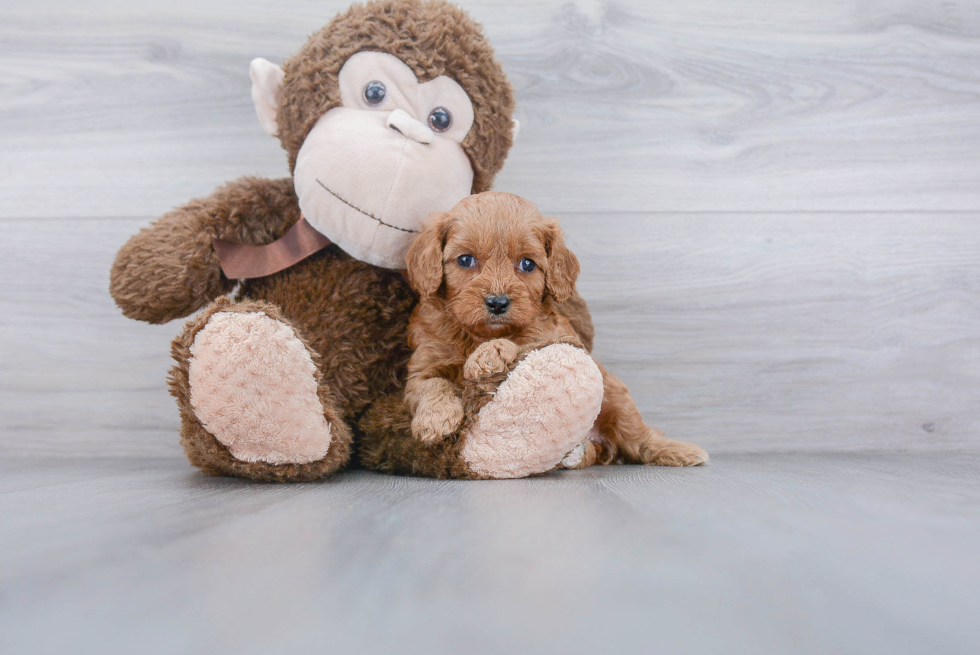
x: 777, y: 208
x: 820, y: 553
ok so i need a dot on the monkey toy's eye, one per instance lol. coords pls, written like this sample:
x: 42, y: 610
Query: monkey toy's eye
x: 527, y: 265
x: 466, y: 261
x: 374, y: 93
x: 440, y: 119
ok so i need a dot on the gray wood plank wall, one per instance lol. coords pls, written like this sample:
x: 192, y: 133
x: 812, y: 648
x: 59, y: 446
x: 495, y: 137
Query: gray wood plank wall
x: 776, y: 203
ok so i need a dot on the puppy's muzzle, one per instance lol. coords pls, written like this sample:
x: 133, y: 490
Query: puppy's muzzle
x: 497, y: 305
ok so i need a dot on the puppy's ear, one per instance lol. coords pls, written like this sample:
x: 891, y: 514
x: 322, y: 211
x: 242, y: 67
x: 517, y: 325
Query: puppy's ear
x: 424, y: 258
x: 563, y: 267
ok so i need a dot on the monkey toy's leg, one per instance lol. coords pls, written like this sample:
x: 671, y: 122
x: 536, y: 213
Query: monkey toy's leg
x: 251, y: 398
x: 520, y: 422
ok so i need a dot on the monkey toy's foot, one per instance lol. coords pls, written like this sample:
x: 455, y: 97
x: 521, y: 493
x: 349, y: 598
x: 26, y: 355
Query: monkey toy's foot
x: 250, y: 397
x: 538, y: 415
x: 520, y: 421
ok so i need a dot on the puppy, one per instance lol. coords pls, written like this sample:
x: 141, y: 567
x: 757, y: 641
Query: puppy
x: 494, y: 276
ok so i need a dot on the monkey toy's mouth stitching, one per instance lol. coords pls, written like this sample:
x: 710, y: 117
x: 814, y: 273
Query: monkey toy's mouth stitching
x: 356, y: 208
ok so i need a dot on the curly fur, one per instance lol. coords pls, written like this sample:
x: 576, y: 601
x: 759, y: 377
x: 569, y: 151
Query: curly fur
x: 387, y: 442
x: 452, y: 323
x: 457, y: 337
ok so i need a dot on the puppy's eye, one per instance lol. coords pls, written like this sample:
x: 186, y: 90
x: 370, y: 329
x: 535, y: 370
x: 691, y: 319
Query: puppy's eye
x: 527, y: 265
x: 466, y: 261
x: 374, y: 93
x: 440, y: 119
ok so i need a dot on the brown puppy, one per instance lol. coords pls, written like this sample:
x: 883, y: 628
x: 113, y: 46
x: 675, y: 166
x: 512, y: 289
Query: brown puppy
x: 491, y: 274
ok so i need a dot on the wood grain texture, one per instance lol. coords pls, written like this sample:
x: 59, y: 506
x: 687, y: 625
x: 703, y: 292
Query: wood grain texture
x: 859, y: 553
x: 826, y: 331
x: 749, y: 328
x: 126, y: 109
x: 739, y: 332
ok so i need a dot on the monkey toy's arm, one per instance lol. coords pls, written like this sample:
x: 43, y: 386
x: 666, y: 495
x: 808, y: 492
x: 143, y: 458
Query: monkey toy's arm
x: 170, y: 269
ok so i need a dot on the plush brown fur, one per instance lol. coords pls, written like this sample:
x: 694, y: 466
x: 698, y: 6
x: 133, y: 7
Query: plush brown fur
x: 169, y: 269
x: 352, y: 315
x: 433, y: 38
x: 205, y: 452
x: 384, y: 446
x: 456, y: 337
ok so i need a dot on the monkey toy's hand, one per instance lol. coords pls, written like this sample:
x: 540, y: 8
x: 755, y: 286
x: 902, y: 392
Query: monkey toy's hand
x: 490, y: 358
x: 437, y: 417
x: 170, y: 269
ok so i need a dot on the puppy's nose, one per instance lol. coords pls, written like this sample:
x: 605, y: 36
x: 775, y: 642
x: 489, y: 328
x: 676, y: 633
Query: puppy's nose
x: 497, y: 304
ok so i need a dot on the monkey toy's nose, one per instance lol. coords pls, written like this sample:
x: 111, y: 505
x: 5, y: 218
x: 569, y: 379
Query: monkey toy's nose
x: 497, y: 304
x: 401, y: 121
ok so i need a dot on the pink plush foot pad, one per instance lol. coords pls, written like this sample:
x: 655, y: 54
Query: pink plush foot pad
x: 253, y: 386
x: 543, y: 410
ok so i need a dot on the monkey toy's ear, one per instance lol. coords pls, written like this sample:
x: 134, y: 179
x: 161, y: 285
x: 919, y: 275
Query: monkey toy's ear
x: 266, y: 82
x: 424, y: 258
x: 563, y: 266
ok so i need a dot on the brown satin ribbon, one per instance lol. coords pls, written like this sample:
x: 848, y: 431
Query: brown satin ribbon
x: 240, y: 261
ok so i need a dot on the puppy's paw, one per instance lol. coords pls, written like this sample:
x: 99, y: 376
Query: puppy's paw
x: 661, y: 451
x: 582, y: 456
x: 489, y: 358
x: 437, y: 419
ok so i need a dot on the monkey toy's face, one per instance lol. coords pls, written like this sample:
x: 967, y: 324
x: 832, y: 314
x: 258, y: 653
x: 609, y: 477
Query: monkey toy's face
x: 372, y: 169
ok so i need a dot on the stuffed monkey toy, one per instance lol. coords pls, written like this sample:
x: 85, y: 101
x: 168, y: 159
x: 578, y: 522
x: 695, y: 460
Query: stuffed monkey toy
x: 395, y: 110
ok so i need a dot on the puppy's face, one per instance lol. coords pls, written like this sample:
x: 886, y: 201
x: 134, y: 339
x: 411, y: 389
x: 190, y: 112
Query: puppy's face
x: 494, y: 259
